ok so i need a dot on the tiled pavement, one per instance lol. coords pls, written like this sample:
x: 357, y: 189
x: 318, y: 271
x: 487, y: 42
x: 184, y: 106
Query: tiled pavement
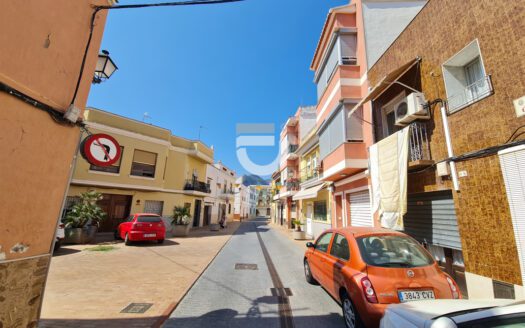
x: 226, y: 297
x: 89, y: 289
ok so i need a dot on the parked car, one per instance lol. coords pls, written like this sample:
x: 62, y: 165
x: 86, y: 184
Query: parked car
x: 59, y: 236
x: 366, y: 269
x: 455, y: 314
x: 142, y: 227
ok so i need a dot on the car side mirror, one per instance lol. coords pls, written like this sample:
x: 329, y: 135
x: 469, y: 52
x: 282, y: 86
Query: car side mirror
x: 310, y: 244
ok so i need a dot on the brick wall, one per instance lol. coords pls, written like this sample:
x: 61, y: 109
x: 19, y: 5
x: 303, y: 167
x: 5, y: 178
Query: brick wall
x: 440, y: 30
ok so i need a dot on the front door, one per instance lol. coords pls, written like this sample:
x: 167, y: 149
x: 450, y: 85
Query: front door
x: 207, y: 215
x: 197, y: 213
x: 117, y: 208
x: 309, y: 217
x: 339, y: 211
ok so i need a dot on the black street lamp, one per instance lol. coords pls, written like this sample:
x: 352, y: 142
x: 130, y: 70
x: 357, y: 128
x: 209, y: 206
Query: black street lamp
x: 105, y: 67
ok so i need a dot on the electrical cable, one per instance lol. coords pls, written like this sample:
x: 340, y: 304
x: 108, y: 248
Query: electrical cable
x: 513, y: 133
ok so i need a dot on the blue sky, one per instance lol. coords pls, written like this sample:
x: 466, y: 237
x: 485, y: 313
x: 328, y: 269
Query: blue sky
x: 213, y: 66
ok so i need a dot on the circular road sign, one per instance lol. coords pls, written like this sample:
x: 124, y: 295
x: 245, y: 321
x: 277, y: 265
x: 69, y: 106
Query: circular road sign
x: 101, y: 149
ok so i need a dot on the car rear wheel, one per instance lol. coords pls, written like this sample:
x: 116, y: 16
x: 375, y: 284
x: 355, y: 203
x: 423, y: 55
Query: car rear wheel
x: 160, y: 241
x: 308, y: 274
x: 126, y: 240
x: 116, y: 234
x: 350, y: 314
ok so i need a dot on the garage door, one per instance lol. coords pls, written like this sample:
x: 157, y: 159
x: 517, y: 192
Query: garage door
x: 153, y: 206
x: 360, y: 214
x: 431, y: 218
x: 513, y: 168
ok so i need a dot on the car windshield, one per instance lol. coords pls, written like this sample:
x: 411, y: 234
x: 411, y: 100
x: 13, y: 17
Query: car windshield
x: 393, y: 251
x: 148, y: 219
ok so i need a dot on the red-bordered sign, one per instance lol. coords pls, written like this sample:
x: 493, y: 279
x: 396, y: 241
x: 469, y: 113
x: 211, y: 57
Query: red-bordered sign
x: 100, y: 149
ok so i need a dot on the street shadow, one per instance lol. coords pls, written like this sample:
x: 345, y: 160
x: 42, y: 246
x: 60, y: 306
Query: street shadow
x: 65, y: 251
x: 231, y: 318
x: 167, y: 242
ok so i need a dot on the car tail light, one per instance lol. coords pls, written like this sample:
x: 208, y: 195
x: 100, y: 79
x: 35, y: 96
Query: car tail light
x: 368, y: 289
x: 453, y: 288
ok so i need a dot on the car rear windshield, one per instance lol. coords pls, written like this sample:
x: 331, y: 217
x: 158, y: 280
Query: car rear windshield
x: 393, y: 252
x: 148, y: 219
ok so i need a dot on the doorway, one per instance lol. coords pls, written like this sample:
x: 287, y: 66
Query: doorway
x: 309, y: 217
x: 117, y: 209
x: 197, y: 213
x: 207, y: 215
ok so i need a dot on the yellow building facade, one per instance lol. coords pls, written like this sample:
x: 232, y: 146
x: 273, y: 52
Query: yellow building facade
x: 156, y: 172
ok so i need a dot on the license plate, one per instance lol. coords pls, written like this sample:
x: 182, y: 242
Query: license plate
x: 147, y: 235
x: 416, y: 295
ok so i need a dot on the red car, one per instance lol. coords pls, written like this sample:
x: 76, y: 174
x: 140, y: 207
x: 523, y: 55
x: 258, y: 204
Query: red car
x: 142, y: 227
x: 366, y: 269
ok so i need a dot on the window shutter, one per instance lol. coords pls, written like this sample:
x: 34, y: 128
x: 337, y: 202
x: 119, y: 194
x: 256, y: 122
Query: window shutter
x: 324, y: 143
x: 144, y: 157
x: 336, y: 128
x: 348, y: 45
x: 354, y: 125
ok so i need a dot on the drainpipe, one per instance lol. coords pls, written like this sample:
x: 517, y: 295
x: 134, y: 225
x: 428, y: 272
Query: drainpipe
x: 453, y: 172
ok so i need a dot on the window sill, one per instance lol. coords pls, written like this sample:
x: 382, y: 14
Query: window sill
x: 141, y: 178
x: 455, y: 110
x: 104, y: 173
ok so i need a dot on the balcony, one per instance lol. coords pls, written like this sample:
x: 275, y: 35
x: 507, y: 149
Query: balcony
x: 470, y: 94
x: 419, y: 147
x: 195, y: 185
x: 227, y: 193
x: 292, y: 184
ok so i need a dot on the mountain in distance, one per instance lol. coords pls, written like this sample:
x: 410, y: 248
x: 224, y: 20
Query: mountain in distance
x: 253, y: 179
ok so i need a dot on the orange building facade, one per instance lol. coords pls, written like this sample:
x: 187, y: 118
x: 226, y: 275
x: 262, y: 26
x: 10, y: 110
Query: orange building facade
x: 43, y: 47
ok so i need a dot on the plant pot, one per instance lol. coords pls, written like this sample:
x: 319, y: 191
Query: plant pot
x: 214, y: 227
x: 80, y: 235
x: 180, y: 230
x: 298, y: 235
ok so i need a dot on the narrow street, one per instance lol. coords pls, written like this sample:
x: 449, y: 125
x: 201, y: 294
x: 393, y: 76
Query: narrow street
x: 232, y: 292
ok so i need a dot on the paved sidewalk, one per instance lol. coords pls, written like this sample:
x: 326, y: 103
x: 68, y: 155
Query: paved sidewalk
x: 91, y: 288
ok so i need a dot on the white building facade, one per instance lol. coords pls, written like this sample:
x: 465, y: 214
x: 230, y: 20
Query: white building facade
x: 221, y: 199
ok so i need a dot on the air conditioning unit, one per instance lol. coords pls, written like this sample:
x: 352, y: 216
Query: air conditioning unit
x: 411, y: 108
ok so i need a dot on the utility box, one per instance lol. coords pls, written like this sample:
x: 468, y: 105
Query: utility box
x: 443, y: 169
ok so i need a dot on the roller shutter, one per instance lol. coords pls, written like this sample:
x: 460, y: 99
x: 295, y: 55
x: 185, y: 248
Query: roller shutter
x: 153, y: 206
x: 431, y: 218
x: 513, y: 168
x: 360, y: 215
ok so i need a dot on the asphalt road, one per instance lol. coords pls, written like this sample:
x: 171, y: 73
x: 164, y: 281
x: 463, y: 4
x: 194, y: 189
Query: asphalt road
x: 272, y: 294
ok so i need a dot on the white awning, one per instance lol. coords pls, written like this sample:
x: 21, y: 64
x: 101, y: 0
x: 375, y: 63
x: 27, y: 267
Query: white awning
x: 308, y: 192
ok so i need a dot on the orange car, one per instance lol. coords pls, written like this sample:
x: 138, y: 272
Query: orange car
x: 366, y: 269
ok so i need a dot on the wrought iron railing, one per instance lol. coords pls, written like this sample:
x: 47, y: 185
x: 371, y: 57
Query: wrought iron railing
x: 472, y: 93
x: 292, y: 184
x: 419, y: 146
x: 196, y: 185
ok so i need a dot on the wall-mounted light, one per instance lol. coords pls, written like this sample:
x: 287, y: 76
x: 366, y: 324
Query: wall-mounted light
x: 105, y: 67
x: 137, y: 202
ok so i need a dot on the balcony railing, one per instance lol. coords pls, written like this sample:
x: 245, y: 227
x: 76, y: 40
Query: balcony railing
x: 419, y: 146
x: 309, y: 176
x: 292, y: 148
x: 472, y: 93
x: 292, y: 185
x: 196, y: 185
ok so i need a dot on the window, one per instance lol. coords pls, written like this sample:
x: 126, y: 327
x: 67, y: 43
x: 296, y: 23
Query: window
x: 465, y: 79
x: 340, y: 128
x: 323, y: 242
x: 115, y: 168
x: 340, y: 248
x: 149, y: 219
x: 393, y: 251
x: 388, y: 115
x: 341, y: 52
x: 143, y: 164
x: 320, y: 211
x: 229, y: 208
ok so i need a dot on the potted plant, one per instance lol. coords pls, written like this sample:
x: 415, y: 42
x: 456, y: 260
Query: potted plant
x: 298, y: 233
x: 81, y: 223
x: 181, y: 221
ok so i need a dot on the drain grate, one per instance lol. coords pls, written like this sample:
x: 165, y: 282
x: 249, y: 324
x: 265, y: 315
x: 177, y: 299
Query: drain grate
x: 281, y: 292
x: 246, y: 266
x: 137, y: 308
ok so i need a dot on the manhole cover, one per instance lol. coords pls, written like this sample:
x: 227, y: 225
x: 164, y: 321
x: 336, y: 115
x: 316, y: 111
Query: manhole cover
x: 281, y: 292
x: 245, y: 266
x: 137, y: 308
